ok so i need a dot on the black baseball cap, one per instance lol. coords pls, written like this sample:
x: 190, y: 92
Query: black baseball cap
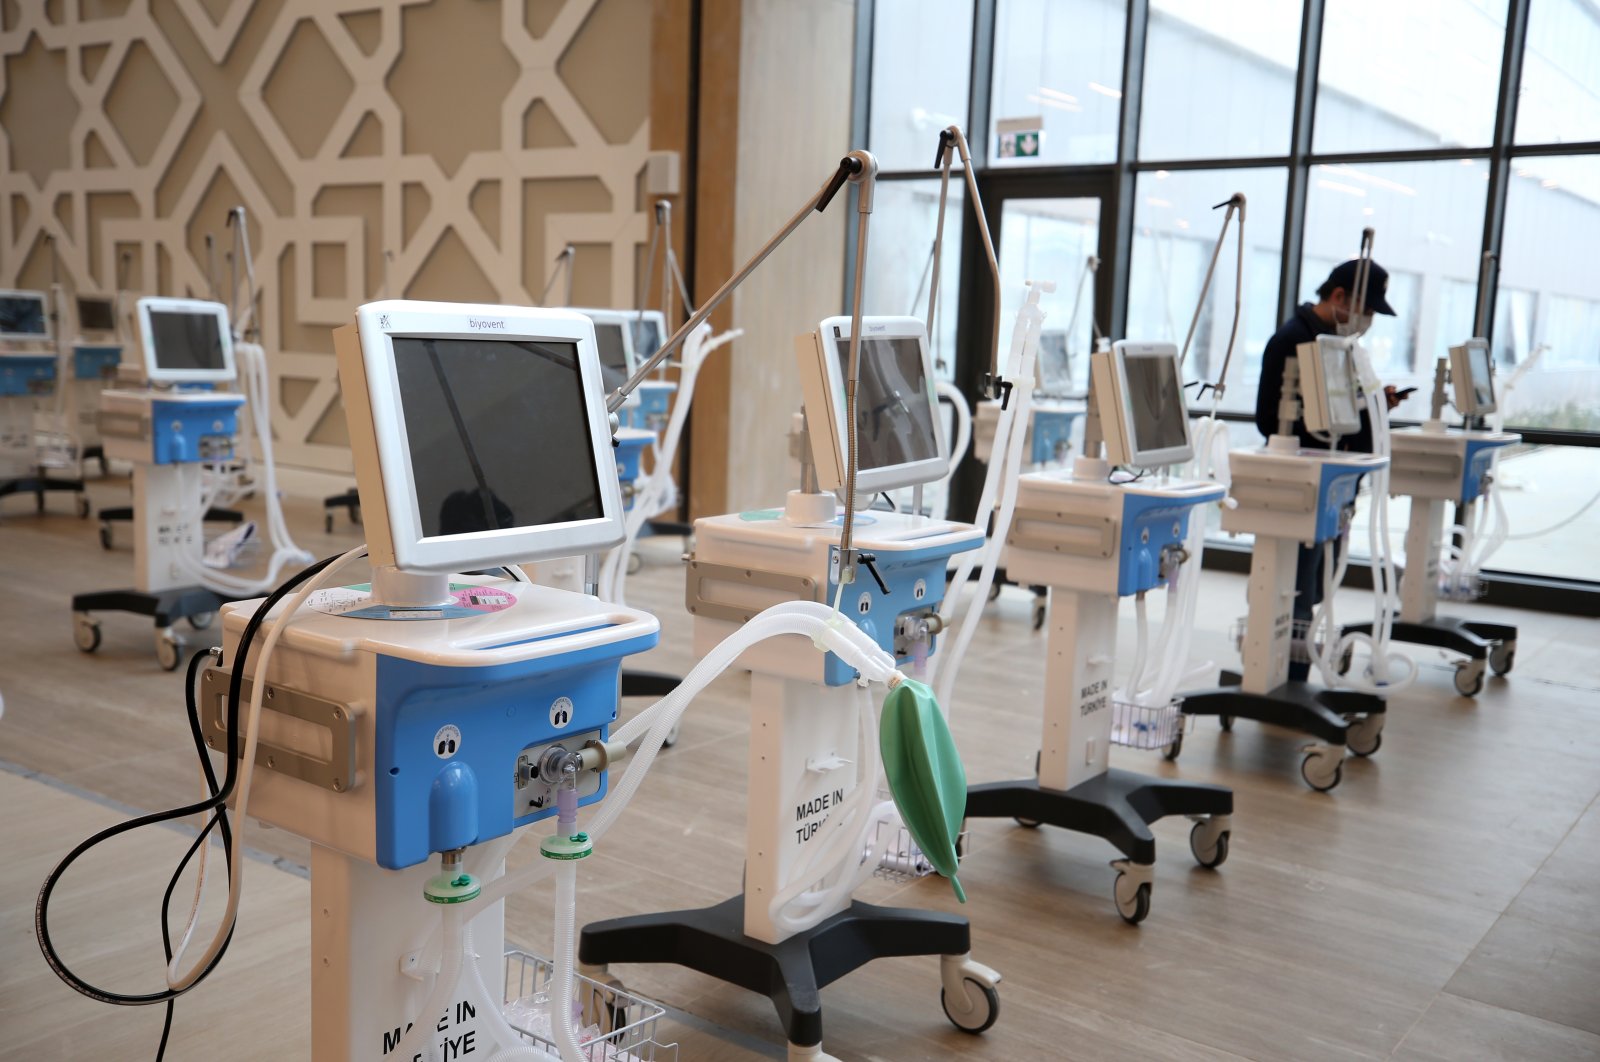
x: 1344, y: 276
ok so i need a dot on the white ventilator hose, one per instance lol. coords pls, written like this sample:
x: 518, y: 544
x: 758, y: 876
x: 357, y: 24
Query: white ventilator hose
x: 255, y: 378
x: 1024, y: 346
x: 247, y: 766
x: 805, y: 618
x: 657, y: 491
x: 452, y: 957
x: 1387, y: 671
x: 963, y: 418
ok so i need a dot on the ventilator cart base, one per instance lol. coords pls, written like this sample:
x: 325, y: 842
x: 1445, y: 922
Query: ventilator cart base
x: 1093, y: 542
x: 1437, y: 466
x: 802, y: 720
x: 166, y: 436
x: 1287, y: 496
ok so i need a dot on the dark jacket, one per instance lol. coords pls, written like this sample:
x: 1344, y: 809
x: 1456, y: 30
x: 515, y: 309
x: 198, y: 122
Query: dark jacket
x: 1303, y: 327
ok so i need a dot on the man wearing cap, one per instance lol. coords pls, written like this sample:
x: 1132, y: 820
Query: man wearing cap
x: 1332, y: 313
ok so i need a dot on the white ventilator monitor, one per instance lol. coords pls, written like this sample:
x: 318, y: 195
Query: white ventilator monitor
x: 613, y: 331
x: 649, y: 331
x: 1472, y: 376
x: 480, y: 434
x: 1139, y: 396
x: 185, y: 341
x: 1055, y: 363
x: 898, y: 441
x: 23, y: 315
x: 97, y: 315
x: 1328, y: 396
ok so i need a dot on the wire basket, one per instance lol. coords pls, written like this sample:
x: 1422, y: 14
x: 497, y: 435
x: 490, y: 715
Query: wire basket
x: 626, y: 1022
x: 1136, y: 726
x: 900, y: 858
x: 1456, y: 589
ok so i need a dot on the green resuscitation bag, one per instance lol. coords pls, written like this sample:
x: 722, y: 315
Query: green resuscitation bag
x: 925, y: 775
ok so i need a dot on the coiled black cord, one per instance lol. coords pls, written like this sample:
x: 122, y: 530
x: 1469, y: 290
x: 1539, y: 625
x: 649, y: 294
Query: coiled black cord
x: 216, y: 803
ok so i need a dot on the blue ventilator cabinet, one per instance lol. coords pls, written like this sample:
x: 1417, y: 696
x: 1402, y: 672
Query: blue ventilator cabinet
x: 166, y: 435
x: 1437, y: 467
x: 803, y: 761
x: 1093, y: 542
x: 631, y: 443
x: 426, y: 725
x: 1287, y: 497
x: 745, y: 562
x: 94, y: 369
x: 388, y: 735
x: 28, y: 380
x: 653, y: 408
x: 1051, y: 422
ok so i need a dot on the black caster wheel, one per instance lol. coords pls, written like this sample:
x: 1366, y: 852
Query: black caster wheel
x: 327, y: 523
x: 105, y: 469
x: 1171, y: 752
x: 105, y: 536
x: 83, y: 507
x: 1469, y: 679
x: 1134, y: 908
x: 994, y: 591
x: 1040, y: 613
x: 355, y: 515
x: 201, y: 620
x: 1365, y: 735
x: 1316, y: 774
x: 987, y: 1011
x: 1503, y: 657
x: 85, y: 634
x: 1211, y: 857
x: 1027, y: 824
x: 1227, y: 723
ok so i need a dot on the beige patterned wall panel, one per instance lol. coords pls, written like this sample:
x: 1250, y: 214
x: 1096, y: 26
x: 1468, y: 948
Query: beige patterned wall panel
x: 436, y: 149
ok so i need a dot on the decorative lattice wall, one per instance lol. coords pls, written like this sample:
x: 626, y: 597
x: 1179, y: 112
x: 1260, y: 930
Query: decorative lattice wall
x: 442, y: 149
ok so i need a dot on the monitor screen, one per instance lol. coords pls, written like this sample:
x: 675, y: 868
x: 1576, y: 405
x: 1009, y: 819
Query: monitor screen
x: 498, y: 433
x: 1157, y: 414
x: 1055, y: 363
x: 613, y: 354
x: 646, y: 338
x: 96, y: 314
x: 894, y: 419
x: 22, y: 314
x: 1343, y: 412
x: 1482, y: 376
x: 186, y: 341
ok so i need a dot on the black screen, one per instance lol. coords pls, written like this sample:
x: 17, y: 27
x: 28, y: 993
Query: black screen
x: 613, y: 355
x: 1155, y: 400
x: 498, y: 433
x: 186, y: 340
x: 646, y: 338
x: 22, y: 315
x: 894, y: 421
x: 96, y: 315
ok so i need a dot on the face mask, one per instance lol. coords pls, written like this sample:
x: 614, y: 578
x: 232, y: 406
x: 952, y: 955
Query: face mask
x: 1355, y: 326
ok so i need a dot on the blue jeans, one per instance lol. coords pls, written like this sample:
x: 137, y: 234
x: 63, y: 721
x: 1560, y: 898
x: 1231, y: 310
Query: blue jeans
x: 1308, y: 576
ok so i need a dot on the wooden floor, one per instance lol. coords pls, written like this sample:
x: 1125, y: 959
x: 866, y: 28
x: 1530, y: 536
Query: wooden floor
x: 1443, y: 903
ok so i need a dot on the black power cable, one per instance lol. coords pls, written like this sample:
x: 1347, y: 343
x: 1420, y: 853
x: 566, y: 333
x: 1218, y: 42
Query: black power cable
x: 216, y: 803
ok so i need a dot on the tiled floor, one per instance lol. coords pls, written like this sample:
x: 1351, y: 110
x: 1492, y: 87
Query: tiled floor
x: 1442, y: 903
